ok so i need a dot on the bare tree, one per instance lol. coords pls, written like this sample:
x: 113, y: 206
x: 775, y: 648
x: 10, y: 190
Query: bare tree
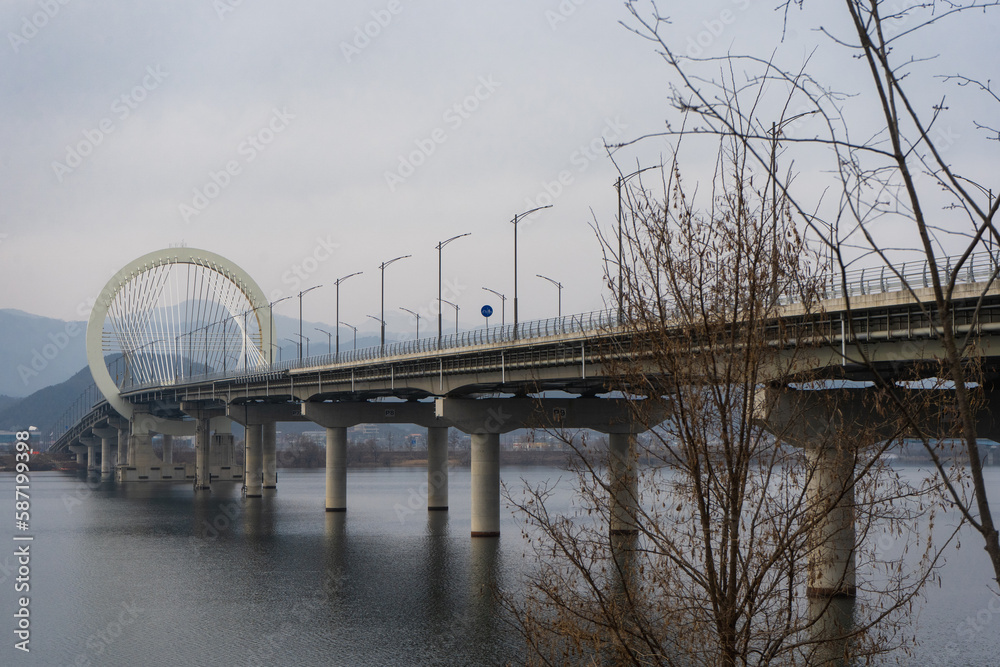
x: 720, y: 540
x: 901, y: 204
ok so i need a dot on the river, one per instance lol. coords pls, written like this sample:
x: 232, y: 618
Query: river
x: 153, y: 575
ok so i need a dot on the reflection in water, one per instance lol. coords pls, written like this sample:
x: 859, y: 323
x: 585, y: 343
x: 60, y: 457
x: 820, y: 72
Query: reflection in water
x: 833, y: 621
x: 484, y: 582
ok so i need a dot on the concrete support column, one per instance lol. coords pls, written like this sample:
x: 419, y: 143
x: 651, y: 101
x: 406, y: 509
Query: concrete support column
x: 624, y: 483
x: 336, y: 469
x: 122, y: 443
x: 202, y: 439
x: 168, y: 449
x: 91, y: 444
x: 269, y: 450
x: 81, y: 454
x: 437, y: 468
x: 253, y: 473
x: 485, y: 484
x: 105, y: 458
x: 830, y: 494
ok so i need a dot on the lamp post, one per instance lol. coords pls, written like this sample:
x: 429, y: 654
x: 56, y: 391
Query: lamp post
x: 355, y: 329
x: 297, y: 343
x: 382, y: 318
x: 270, y: 312
x: 329, y: 338
x: 300, y: 315
x: 503, y: 304
x: 621, y: 249
x: 559, y: 285
x: 337, y: 314
x: 456, y: 312
x: 441, y: 245
x: 417, y: 315
x: 518, y: 218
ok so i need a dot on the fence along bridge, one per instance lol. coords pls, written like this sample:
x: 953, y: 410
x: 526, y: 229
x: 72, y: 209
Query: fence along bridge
x: 180, y: 342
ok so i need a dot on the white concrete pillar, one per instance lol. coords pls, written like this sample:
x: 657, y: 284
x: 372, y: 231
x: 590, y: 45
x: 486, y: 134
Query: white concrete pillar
x: 81, y: 454
x: 269, y: 449
x: 253, y: 473
x: 168, y: 449
x: 485, y: 484
x: 105, y: 458
x: 202, y: 440
x: 336, y: 469
x: 830, y: 494
x: 122, y: 443
x: 623, y: 482
x: 437, y: 468
x: 91, y: 444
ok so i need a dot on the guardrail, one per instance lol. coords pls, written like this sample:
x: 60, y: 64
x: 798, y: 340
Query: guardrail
x: 79, y: 409
x: 979, y: 267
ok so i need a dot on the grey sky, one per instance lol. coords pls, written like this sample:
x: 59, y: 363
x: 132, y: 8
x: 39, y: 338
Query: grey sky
x: 300, y: 134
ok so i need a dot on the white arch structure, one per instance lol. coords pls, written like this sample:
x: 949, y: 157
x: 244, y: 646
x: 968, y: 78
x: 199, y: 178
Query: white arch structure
x: 173, y: 313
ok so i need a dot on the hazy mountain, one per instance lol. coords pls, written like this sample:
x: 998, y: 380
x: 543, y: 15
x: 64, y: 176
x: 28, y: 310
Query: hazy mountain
x: 45, y: 406
x: 36, y: 352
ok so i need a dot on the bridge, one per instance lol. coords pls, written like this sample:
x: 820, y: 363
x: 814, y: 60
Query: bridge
x: 180, y: 342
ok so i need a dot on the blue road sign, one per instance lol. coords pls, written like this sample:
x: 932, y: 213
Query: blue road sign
x: 487, y: 310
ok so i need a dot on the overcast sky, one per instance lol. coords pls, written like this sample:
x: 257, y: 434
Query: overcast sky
x: 285, y: 138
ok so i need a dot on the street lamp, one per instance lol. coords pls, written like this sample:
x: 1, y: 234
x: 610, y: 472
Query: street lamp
x: 306, y: 338
x: 417, y: 315
x: 518, y: 218
x: 300, y: 316
x: 456, y: 312
x: 503, y: 304
x: 337, y: 315
x: 329, y: 337
x: 621, y: 251
x: 558, y: 285
x: 270, y: 312
x: 441, y: 245
x: 297, y: 343
x: 382, y: 319
x: 355, y: 329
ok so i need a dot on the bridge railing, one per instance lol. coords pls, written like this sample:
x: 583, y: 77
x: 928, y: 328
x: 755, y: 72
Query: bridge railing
x: 568, y: 324
x: 980, y: 267
x: 79, y: 409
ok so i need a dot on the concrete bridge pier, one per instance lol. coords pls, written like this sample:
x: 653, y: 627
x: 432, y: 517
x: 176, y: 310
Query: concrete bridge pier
x: 269, y: 454
x: 123, y: 432
x: 253, y: 478
x: 437, y: 468
x: 624, y: 481
x: 831, y: 426
x: 202, y: 440
x: 168, y: 449
x: 485, y: 484
x: 336, y: 469
x: 338, y: 417
x: 107, y: 435
x: 91, y: 443
x: 81, y: 454
x: 486, y: 419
